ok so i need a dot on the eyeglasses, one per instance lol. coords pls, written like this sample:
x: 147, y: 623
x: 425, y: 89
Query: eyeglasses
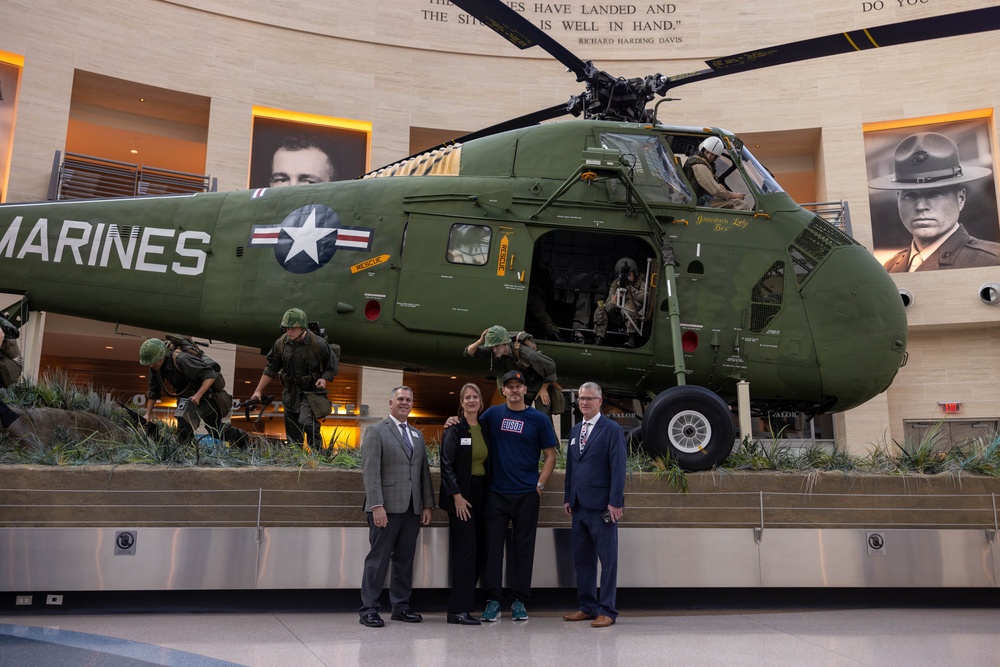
x: 588, y: 398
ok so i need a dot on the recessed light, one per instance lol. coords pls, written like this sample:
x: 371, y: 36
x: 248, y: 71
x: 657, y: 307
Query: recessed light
x: 134, y: 152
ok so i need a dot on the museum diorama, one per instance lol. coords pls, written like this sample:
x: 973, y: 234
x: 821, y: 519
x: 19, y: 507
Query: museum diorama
x: 772, y: 238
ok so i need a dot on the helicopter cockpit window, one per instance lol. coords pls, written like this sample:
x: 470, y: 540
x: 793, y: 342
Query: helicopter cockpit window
x: 469, y: 244
x: 757, y: 173
x: 652, y: 169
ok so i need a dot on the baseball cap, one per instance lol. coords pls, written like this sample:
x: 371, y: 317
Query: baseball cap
x: 513, y: 375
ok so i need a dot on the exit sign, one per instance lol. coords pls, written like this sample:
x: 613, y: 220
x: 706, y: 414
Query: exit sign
x: 951, y: 407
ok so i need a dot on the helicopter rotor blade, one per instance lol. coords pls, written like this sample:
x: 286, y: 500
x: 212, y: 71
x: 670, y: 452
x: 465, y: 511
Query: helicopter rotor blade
x: 893, y: 34
x: 524, y: 34
x: 513, y: 124
x: 533, y: 118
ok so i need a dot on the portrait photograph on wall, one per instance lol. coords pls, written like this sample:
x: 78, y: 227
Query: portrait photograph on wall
x: 9, y: 75
x: 932, y: 193
x: 287, y: 150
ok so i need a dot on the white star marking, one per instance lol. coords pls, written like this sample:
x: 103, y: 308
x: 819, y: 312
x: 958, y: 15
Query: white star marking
x: 305, y: 238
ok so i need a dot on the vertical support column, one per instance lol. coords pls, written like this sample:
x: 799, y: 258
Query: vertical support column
x: 375, y: 387
x: 743, y: 410
x: 31, y: 344
x: 224, y: 354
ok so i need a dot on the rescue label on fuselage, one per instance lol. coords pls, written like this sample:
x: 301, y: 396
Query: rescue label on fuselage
x: 369, y: 263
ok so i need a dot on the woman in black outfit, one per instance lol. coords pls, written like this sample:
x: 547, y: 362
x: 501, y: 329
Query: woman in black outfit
x: 464, y: 488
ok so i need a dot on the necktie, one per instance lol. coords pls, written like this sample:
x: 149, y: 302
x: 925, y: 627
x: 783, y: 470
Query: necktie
x: 406, y: 438
x: 916, y: 261
x: 583, y: 435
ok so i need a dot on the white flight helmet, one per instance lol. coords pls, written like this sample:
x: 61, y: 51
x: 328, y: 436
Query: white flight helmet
x: 713, y: 145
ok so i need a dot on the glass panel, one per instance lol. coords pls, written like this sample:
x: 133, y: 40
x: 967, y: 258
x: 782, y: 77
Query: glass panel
x: 653, y: 169
x: 757, y: 173
x: 469, y: 244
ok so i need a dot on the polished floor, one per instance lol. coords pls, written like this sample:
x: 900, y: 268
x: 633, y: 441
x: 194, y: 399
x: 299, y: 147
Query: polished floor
x: 858, y: 636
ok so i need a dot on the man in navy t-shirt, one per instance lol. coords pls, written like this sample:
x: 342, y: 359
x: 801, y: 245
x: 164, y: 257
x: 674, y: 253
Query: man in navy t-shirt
x: 518, y: 435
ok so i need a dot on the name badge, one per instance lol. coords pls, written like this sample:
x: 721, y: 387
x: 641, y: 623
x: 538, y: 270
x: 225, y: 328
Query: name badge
x: 465, y: 442
x: 572, y: 441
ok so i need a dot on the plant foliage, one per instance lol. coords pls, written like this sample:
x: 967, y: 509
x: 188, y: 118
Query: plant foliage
x: 926, y: 455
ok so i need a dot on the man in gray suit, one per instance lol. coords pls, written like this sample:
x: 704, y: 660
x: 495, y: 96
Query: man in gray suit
x: 398, y: 499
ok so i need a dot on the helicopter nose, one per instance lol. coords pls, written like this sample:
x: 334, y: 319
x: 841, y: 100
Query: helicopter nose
x: 858, y: 324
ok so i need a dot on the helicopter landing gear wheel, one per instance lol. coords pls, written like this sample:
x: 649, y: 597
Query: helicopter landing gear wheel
x: 691, y: 425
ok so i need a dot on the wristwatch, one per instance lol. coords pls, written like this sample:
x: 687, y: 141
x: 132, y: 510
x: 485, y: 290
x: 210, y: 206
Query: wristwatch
x: 540, y: 486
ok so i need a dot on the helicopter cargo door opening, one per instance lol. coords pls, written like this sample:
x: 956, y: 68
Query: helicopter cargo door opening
x: 460, y: 276
x: 571, y: 276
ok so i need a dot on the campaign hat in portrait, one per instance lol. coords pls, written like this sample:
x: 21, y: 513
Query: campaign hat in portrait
x: 927, y: 160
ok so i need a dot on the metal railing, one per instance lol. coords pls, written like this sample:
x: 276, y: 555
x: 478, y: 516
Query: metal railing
x: 47, y: 508
x: 837, y: 213
x: 79, y: 176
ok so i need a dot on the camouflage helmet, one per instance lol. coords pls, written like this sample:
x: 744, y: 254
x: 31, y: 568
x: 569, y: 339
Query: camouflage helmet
x: 152, y: 350
x: 496, y: 335
x: 294, y: 317
x: 626, y: 261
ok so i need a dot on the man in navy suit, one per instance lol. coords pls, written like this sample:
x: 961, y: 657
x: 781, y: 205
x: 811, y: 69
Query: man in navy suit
x: 595, y: 498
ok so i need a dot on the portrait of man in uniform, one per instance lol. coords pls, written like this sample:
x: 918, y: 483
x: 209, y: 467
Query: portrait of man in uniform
x: 932, y: 196
x: 291, y: 153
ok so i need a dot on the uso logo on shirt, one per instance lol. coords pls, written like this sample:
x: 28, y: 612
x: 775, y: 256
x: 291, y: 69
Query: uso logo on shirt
x: 512, y: 425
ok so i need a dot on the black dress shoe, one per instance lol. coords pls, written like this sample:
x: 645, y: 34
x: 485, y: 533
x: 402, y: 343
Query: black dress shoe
x: 371, y: 620
x: 465, y: 618
x: 407, y: 616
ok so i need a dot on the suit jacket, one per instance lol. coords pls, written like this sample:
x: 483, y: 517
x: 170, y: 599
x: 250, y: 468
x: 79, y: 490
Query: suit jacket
x: 456, y: 464
x: 959, y: 251
x: 391, y: 477
x: 596, y: 478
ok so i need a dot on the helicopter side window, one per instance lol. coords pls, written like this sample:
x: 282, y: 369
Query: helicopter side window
x: 730, y: 177
x: 469, y: 244
x: 758, y: 173
x: 767, y: 296
x: 727, y: 172
x: 651, y: 166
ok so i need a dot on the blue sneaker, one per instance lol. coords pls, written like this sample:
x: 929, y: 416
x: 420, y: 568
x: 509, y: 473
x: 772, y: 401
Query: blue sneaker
x: 492, y: 612
x: 518, y: 612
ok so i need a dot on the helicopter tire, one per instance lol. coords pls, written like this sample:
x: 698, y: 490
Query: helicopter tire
x: 691, y: 425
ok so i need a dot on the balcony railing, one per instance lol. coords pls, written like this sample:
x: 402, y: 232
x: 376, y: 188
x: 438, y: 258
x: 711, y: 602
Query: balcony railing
x: 836, y: 213
x: 87, y: 177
